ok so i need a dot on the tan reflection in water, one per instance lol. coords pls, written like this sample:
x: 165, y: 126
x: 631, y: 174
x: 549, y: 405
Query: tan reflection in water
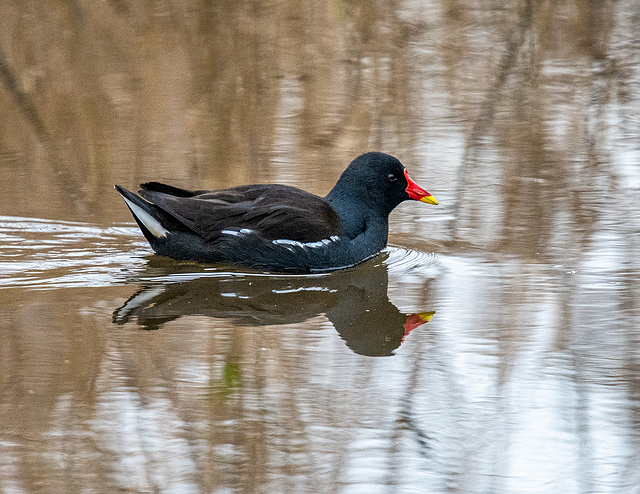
x: 521, y: 119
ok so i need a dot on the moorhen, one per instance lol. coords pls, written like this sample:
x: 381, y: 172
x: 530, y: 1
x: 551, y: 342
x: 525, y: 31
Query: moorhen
x: 278, y: 228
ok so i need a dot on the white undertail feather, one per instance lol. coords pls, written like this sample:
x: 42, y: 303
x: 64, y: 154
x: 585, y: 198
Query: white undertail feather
x: 152, y: 224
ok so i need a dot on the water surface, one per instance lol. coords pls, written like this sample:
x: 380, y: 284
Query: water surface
x: 494, y: 346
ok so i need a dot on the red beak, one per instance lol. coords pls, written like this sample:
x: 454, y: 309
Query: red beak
x: 416, y: 192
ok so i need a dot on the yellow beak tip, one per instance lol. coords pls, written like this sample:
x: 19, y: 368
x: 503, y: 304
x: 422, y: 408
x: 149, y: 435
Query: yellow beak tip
x: 429, y: 200
x: 426, y: 316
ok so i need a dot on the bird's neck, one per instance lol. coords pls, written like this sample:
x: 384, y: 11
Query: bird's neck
x: 358, y: 218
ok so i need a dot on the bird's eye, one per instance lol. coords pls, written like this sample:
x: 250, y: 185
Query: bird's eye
x: 392, y: 177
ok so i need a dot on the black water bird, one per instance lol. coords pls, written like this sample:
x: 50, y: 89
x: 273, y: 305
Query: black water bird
x: 278, y: 228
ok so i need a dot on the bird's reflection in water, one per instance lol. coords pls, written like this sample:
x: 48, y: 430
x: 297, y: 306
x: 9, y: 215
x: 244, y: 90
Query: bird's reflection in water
x: 354, y: 300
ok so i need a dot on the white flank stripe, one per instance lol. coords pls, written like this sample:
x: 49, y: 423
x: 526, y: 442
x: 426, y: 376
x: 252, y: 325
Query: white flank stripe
x: 237, y: 233
x: 320, y: 243
x: 152, y: 224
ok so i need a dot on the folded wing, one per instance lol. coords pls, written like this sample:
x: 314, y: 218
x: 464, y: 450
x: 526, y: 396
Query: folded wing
x: 271, y: 211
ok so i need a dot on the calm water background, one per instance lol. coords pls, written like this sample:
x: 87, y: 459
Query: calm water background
x: 124, y: 372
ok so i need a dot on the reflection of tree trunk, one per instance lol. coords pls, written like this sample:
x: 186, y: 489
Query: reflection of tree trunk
x: 406, y: 419
x: 486, y: 114
x: 628, y: 306
x: 583, y: 405
x: 516, y: 40
x: 21, y: 99
x: 328, y: 136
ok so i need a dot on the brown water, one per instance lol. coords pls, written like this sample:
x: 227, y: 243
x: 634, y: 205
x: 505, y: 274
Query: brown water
x: 125, y: 372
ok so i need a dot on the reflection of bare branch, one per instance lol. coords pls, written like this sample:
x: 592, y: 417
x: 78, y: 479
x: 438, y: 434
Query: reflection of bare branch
x: 182, y: 30
x: 353, y: 93
x: 405, y: 416
x: 21, y: 98
x: 487, y: 111
x: 512, y: 49
x: 188, y: 430
x: 131, y: 376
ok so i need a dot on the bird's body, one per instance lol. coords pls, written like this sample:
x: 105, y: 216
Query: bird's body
x: 277, y: 227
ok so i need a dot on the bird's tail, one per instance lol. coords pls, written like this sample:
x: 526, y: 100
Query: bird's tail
x: 150, y: 218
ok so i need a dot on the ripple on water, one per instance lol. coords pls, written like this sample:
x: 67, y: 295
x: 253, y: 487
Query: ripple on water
x: 38, y: 253
x: 407, y: 261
